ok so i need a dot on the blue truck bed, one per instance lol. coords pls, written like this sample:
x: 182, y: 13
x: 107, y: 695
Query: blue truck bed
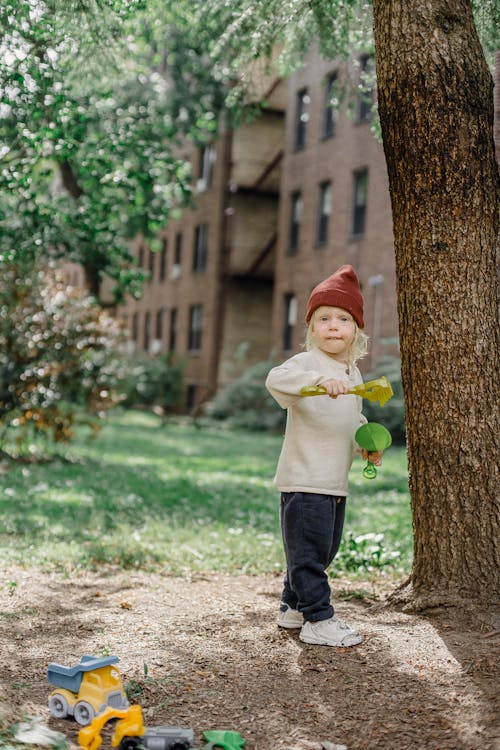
x: 71, y: 677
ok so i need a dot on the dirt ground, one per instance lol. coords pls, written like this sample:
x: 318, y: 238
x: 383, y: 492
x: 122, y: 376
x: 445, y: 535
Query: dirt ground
x: 205, y: 653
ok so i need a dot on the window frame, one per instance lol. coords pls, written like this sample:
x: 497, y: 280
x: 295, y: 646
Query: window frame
x: 330, y: 113
x: 135, y: 327
x: 200, y: 250
x: 207, y: 155
x: 302, y: 103
x: 195, y: 330
x: 173, y: 329
x: 159, y: 323
x: 359, y: 209
x: 163, y: 259
x: 365, y: 100
x: 147, y: 331
x: 323, y: 220
x: 295, y: 219
x: 289, y: 320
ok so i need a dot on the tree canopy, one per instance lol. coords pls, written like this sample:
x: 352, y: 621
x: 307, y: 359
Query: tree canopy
x: 96, y: 99
x: 87, y: 154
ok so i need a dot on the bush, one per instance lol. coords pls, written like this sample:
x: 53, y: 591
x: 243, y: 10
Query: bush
x: 56, y: 353
x: 152, y: 381
x: 365, y: 553
x: 246, y: 402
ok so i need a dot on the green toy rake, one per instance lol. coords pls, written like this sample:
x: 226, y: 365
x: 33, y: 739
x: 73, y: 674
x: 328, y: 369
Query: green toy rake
x: 373, y: 437
x: 223, y: 740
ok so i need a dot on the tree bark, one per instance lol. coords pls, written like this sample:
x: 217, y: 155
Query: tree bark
x: 436, y: 111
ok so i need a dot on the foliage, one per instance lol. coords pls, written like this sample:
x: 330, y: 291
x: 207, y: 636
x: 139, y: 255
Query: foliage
x: 56, y: 351
x: 365, y: 552
x: 181, y: 499
x: 246, y: 403
x: 152, y: 381
x: 86, y: 162
x: 231, y: 42
x: 95, y: 99
x: 392, y: 414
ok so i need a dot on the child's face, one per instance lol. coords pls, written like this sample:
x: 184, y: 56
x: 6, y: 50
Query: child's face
x: 334, y: 330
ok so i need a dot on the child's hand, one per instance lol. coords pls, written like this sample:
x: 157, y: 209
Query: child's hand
x: 335, y: 388
x: 374, y: 458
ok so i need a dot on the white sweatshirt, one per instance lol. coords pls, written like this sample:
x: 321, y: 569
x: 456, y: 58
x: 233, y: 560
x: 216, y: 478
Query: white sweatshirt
x: 319, y: 446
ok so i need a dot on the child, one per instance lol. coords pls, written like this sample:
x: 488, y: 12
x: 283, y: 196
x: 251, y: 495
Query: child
x: 317, y: 453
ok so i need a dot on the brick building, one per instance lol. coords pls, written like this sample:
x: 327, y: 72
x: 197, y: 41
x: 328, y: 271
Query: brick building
x: 334, y: 208
x: 281, y: 202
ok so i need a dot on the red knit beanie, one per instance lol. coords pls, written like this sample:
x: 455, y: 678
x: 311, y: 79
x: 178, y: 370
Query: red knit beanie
x: 341, y: 289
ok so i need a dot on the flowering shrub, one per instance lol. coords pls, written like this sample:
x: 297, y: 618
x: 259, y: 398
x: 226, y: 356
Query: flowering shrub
x: 56, y: 353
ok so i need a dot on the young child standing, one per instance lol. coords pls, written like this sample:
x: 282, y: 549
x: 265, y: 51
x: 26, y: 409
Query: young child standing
x: 317, y: 453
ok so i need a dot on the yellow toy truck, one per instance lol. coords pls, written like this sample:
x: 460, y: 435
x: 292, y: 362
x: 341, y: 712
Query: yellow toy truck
x: 86, y: 689
x: 131, y: 725
x: 131, y: 734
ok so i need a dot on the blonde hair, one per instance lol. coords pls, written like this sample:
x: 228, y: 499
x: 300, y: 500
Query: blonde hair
x: 357, y: 350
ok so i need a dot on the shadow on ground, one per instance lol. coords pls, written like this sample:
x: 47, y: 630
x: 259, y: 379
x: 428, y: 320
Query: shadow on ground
x: 205, y: 653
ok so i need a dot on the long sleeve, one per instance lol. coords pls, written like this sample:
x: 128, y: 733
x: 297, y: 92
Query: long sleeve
x: 285, y: 381
x: 319, y: 444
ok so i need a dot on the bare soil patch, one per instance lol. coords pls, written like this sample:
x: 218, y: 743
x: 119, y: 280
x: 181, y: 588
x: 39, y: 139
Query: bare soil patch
x: 206, y: 653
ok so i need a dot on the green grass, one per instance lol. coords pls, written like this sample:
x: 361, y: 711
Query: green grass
x: 183, y: 499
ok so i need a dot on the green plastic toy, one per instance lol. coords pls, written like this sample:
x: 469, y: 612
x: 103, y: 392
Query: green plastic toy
x: 373, y: 437
x: 224, y: 740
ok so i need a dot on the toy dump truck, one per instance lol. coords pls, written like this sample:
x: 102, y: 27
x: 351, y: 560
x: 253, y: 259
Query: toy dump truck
x: 85, y: 689
x: 131, y: 734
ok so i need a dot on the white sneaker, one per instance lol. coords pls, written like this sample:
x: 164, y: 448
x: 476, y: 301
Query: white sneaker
x: 332, y: 632
x: 289, y: 618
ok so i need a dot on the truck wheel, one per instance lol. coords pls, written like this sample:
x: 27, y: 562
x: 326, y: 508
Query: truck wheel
x: 131, y: 743
x: 84, y: 713
x: 58, y: 706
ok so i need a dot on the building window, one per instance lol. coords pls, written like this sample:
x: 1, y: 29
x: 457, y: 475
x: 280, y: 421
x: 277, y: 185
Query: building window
x: 172, y: 332
x: 330, y: 105
x: 366, y: 95
x: 151, y: 265
x: 200, y: 247
x: 190, y: 397
x: 324, y: 210
x: 290, y: 320
x: 301, y: 118
x: 176, y: 266
x: 295, y: 217
x: 147, y: 331
x: 135, y: 327
x: 163, y: 259
x: 178, y: 249
x: 207, y: 155
x: 195, y: 328
x: 360, y: 192
x: 159, y: 324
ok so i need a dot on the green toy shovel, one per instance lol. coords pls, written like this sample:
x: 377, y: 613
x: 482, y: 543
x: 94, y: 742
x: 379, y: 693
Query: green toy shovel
x: 373, y: 437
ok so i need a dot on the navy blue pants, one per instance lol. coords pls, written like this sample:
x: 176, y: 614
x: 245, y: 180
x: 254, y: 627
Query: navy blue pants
x: 311, y: 526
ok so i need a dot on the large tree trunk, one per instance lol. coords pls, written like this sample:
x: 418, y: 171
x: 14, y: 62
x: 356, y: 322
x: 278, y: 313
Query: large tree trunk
x: 436, y: 112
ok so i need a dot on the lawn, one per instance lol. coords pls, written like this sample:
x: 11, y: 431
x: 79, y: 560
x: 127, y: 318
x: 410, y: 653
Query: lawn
x: 183, y: 498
